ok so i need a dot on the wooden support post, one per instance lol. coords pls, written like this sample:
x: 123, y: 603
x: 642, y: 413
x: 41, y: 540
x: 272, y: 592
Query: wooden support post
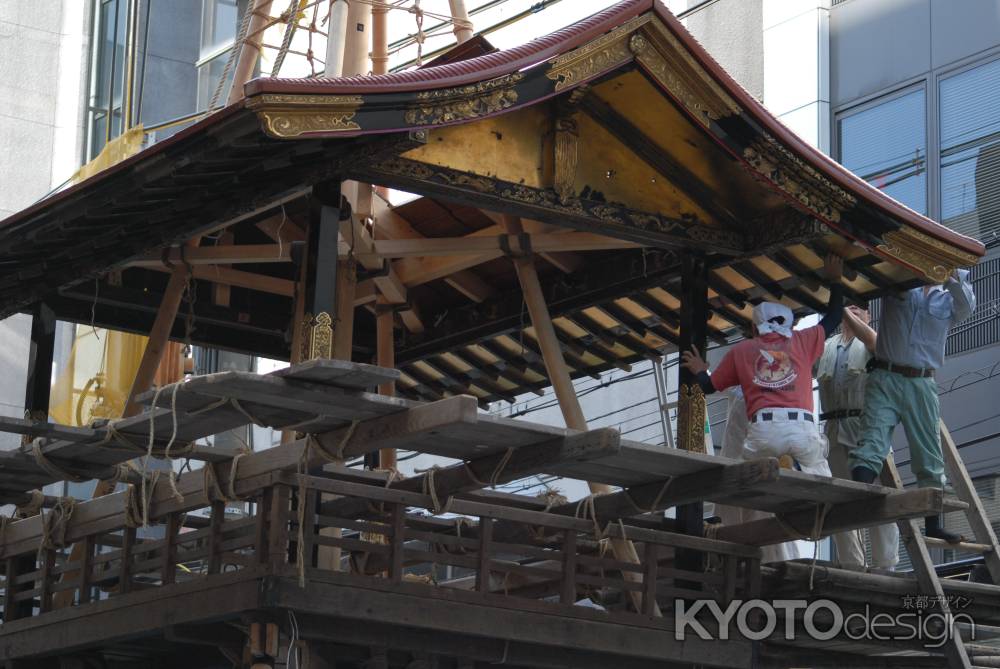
x: 559, y: 376
x: 567, y: 589
x: 125, y: 561
x: 691, y: 406
x: 485, y: 546
x: 218, y: 518
x: 321, y: 271
x: 86, y: 570
x: 11, y: 609
x: 386, y: 357
x: 279, y: 507
x: 41, y: 349
x: 380, y: 40
x: 651, y: 558
x: 168, y: 569
x: 336, y: 31
x: 397, y: 541
x: 159, y: 335
x: 47, y: 561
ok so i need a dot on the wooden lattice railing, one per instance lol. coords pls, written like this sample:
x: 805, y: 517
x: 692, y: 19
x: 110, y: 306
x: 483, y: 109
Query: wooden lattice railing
x: 490, y: 548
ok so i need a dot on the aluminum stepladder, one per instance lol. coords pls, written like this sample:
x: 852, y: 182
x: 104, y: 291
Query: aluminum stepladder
x: 917, y: 545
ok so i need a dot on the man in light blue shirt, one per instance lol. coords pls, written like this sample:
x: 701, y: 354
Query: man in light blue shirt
x: 901, y: 388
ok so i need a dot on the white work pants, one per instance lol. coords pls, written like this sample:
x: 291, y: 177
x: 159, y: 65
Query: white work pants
x: 803, y: 441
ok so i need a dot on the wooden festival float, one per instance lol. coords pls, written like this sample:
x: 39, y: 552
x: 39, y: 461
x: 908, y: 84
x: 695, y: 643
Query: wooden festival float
x: 600, y: 196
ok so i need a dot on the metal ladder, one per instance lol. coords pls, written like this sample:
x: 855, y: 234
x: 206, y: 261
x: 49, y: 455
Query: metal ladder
x: 917, y: 545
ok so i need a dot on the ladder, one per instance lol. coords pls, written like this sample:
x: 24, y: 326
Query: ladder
x: 955, y: 649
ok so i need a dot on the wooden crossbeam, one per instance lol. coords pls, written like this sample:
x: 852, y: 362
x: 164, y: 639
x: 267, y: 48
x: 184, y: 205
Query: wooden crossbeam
x: 496, y: 469
x: 238, y: 278
x: 480, y: 244
x: 840, y: 518
x: 211, y: 255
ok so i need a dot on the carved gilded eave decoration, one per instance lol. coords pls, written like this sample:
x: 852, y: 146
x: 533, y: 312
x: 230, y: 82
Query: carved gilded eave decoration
x: 289, y: 116
x: 464, y: 103
x: 934, y: 258
x: 620, y: 220
x: 795, y: 177
x: 605, y: 53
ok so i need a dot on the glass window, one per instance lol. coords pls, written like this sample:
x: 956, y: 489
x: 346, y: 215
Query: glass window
x: 886, y: 145
x: 970, y: 151
x: 108, y: 74
x: 218, y: 32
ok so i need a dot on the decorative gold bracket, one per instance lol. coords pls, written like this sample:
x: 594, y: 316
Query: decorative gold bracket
x: 691, y: 412
x: 317, y: 336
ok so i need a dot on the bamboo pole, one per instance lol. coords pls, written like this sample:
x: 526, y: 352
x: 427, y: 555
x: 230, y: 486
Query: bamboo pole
x: 558, y: 372
x: 461, y: 26
x: 250, y: 50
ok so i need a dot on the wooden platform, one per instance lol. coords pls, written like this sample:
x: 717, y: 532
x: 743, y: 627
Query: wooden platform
x: 435, y: 566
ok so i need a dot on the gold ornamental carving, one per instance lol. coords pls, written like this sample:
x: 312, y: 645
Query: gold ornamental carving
x: 934, y: 258
x: 601, y: 55
x: 771, y: 160
x: 317, y: 336
x: 449, y: 105
x: 691, y: 412
x: 287, y: 116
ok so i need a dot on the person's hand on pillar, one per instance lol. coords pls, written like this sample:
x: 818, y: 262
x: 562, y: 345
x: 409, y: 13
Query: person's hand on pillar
x: 833, y: 267
x: 693, y: 362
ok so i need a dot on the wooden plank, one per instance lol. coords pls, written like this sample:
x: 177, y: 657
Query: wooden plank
x: 479, y: 245
x: 220, y: 254
x: 567, y: 588
x: 840, y: 518
x: 496, y: 469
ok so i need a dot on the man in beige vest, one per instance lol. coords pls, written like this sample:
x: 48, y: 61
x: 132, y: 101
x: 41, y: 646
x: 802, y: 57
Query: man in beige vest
x: 841, y: 376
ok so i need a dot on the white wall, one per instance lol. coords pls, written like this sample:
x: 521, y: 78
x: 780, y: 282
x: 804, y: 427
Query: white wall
x: 43, y: 47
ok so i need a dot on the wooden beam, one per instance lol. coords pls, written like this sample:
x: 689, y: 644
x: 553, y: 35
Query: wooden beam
x: 496, y: 469
x: 221, y: 292
x: 559, y: 376
x: 479, y: 244
x: 224, y: 254
x: 234, y: 277
x: 249, y: 50
x: 793, y: 525
x: 385, y: 357
x: 281, y: 229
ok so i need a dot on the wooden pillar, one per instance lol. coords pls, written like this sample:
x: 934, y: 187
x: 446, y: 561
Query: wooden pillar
x: 462, y: 26
x: 386, y: 357
x: 249, y: 51
x: 321, y: 265
x: 691, y: 399
x: 559, y: 377
x: 41, y: 348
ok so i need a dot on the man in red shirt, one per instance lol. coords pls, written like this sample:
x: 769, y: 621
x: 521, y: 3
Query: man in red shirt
x: 774, y: 370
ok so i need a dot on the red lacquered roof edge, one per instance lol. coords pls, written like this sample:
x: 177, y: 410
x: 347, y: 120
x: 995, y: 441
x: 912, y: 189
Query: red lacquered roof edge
x: 504, y: 62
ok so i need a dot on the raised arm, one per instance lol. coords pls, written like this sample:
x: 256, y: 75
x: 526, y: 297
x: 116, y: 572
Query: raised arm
x: 694, y: 363
x: 964, y: 300
x: 861, y: 330
x: 834, y: 268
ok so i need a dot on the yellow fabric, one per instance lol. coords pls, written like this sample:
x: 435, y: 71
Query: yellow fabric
x: 118, y: 149
x: 97, y: 377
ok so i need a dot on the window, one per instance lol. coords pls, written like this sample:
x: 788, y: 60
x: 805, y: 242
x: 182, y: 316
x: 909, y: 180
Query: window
x: 970, y: 151
x: 886, y: 145
x: 104, y: 110
x: 219, y: 20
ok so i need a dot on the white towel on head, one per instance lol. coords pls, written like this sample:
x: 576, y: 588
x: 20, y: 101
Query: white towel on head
x: 782, y: 317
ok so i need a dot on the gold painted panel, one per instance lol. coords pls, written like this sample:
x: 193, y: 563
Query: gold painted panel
x: 656, y: 116
x: 609, y: 167
x: 508, y: 147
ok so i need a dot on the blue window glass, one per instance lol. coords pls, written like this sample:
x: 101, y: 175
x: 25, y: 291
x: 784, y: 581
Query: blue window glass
x: 886, y: 145
x: 970, y: 151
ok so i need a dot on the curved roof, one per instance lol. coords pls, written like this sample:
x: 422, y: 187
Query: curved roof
x: 564, y: 41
